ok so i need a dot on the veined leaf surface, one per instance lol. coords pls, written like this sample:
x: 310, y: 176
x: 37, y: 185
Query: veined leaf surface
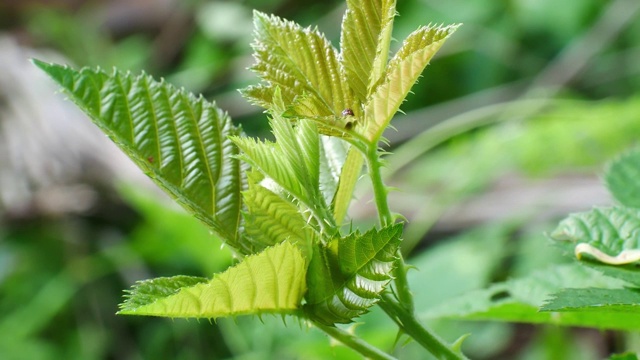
x: 364, y: 42
x: 402, y: 72
x: 272, y: 281
x: 178, y: 140
x: 346, y: 277
x: 610, y: 235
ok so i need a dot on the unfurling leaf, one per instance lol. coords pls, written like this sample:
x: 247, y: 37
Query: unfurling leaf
x: 178, y: 140
x: 609, y: 235
x: 346, y: 276
x: 272, y: 281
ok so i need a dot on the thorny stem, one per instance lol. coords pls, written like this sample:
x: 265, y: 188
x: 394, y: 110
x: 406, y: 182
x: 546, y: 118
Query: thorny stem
x: 354, y: 342
x: 385, y: 217
x: 410, y: 325
x: 401, y: 311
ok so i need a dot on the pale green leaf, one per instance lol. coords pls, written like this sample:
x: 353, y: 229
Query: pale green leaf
x: 402, y: 72
x: 270, y: 220
x: 629, y: 273
x: 349, y: 175
x: 293, y: 161
x: 519, y: 300
x: 178, y: 140
x: 364, y: 42
x: 623, y: 179
x: 272, y: 281
x: 299, y: 61
x: 609, y: 235
x: 346, y: 276
x: 333, y: 152
x: 595, y: 300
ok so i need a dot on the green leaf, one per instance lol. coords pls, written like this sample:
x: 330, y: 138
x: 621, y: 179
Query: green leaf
x: 518, y: 300
x: 623, y: 178
x: 178, y: 140
x: 609, y: 235
x: 402, y: 72
x: 628, y: 273
x: 293, y: 161
x: 599, y: 300
x: 624, y: 356
x: 270, y: 220
x: 346, y: 276
x: 300, y: 62
x: 364, y: 42
x: 272, y: 281
x: 350, y: 174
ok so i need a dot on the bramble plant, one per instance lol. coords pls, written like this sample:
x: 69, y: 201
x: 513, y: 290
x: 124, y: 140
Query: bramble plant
x: 280, y: 205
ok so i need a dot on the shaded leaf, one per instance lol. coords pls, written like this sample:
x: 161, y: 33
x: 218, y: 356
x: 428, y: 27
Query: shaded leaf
x: 591, y: 299
x: 346, y: 276
x: 610, y: 235
x: 518, y: 300
x: 623, y: 179
x: 272, y: 281
x: 178, y: 140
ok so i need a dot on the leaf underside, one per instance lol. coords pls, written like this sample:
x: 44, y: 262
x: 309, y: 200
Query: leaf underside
x: 178, y: 140
x: 272, y: 281
x: 346, y: 277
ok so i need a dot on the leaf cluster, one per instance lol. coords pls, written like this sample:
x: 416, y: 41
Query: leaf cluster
x: 280, y: 205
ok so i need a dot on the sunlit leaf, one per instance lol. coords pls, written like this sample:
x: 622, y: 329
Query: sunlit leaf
x: 402, y: 72
x: 610, y: 235
x: 270, y: 220
x: 272, y: 281
x: 623, y: 179
x: 178, y: 140
x: 364, y: 43
x: 293, y: 161
x: 346, y: 276
x: 299, y: 61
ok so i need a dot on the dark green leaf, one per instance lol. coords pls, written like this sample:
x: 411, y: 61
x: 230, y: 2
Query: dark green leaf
x: 178, y: 140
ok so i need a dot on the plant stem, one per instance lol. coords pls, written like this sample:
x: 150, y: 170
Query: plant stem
x: 384, y: 215
x: 410, y: 325
x: 354, y: 342
x: 379, y: 189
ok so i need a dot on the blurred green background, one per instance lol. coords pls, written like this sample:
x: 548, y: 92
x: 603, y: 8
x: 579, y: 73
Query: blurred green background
x: 506, y: 133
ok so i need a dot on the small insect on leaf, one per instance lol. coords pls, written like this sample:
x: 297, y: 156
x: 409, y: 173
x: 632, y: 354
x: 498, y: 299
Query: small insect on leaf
x: 150, y: 159
x: 347, y: 112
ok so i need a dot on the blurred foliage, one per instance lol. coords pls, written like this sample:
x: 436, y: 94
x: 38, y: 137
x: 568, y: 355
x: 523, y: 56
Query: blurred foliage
x: 62, y: 278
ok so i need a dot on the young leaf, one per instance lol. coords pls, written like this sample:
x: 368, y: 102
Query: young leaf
x: 402, y: 72
x: 178, y: 140
x: 346, y: 277
x: 590, y: 299
x: 610, y: 235
x: 622, y: 179
x: 299, y: 62
x: 293, y: 161
x: 349, y: 176
x: 364, y: 42
x: 270, y: 219
x: 272, y: 281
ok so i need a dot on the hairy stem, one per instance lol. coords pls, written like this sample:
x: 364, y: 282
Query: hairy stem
x: 410, y: 325
x: 380, y: 191
x: 354, y: 342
